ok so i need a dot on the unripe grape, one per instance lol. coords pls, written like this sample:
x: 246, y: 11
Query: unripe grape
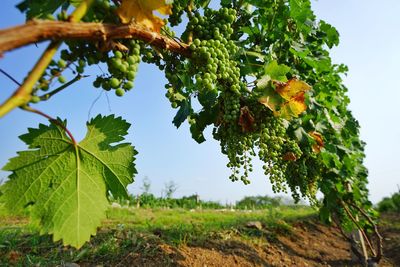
x: 118, y: 54
x: 82, y: 63
x: 80, y: 69
x: 62, y: 79
x: 114, y: 83
x: 61, y: 63
x: 35, y: 99
x: 120, y: 92
x: 128, y: 85
x: 97, y: 83
x: 131, y: 75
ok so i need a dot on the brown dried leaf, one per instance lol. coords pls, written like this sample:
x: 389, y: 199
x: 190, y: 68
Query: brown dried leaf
x: 246, y: 119
x: 319, y: 141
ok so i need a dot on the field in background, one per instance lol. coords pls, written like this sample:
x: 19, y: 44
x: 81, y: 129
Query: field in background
x: 279, y: 235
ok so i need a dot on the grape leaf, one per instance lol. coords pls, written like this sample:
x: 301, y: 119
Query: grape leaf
x: 271, y: 99
x: 142, y: 12
x: 66, y: 185
x: 332, y: 35
x: 294, y: 93
x: 287, y: 100
x: 199, y: 122
x: 272, y: 72
x: 277, y: 72
x: 300, y: 11
x: 182, y: 114
x: 39, y: 8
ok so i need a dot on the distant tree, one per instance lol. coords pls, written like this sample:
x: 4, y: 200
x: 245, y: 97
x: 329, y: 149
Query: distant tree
x: 170, y: 188
x: 258, y: 202
x: 390, y: 204
x: 146, y: 184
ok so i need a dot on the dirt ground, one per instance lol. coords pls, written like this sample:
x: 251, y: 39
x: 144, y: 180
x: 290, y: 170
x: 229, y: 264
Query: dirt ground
x: 307, y: 244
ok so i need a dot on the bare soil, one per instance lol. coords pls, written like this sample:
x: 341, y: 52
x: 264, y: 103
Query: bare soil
x: 308, y: 243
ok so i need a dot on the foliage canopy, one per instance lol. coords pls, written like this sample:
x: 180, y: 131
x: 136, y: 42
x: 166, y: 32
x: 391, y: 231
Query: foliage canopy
x: 259, y: 69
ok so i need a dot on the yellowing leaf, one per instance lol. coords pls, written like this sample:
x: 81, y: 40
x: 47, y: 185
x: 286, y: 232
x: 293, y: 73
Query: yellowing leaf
x: 292, y: 89
x: 142, y: 12
x: 293, y: 92
x: 271, y: 99
x: 287, y: 100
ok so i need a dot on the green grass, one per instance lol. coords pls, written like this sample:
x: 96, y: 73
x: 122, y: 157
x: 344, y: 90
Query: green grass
x: 130, y: 230
x: 179, y: 226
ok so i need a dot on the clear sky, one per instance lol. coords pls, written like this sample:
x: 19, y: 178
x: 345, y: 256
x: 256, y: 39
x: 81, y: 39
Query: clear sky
x: 369, y: 45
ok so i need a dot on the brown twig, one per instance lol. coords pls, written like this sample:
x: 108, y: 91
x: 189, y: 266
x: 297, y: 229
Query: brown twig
x: 359, y: 228
x: 353, y: 245
x: 23, y: 94
x: 36, y: 31
x: 378, y: 256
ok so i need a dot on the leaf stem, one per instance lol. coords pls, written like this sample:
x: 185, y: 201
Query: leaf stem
x: 24, y: 93
x: 62, y: 87
x: 52, y: 120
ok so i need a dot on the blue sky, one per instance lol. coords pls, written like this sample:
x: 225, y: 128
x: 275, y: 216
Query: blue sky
x: 369, y: 46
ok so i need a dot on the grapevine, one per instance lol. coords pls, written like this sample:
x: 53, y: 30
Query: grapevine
x: 260, y: 72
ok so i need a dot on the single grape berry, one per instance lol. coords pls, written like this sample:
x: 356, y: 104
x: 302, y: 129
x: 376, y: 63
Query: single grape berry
x: 61, y: 63
x: 114, y: 83
x: 128, y: 85
x: 118, y: 54
x: 62, y: 79
x: 120, y: 92
x: 35, y: 99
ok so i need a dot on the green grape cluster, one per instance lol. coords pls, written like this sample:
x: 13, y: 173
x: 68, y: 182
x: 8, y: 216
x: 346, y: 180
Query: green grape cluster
x: 122, y: 69
x: 54, y: 75
x: 215, y: 58
x: 238, y: 148
x: 303, y: 176
x: 213, y: 63
x: 269, y: 139
x: 177, y: 11
x: 276, y: 150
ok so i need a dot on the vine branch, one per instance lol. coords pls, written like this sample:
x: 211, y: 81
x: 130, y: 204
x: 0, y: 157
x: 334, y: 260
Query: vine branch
x: 376, y: 231
x: 359, y: 228
x: 24, y: 93
x: 36, y: 31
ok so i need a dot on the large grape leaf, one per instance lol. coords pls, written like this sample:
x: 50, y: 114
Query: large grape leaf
x: 142, y: 12
x: 65, y: 185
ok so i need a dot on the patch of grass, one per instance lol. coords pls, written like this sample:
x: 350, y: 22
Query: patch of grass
x: 180, y: 226
x: 128, y: 231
